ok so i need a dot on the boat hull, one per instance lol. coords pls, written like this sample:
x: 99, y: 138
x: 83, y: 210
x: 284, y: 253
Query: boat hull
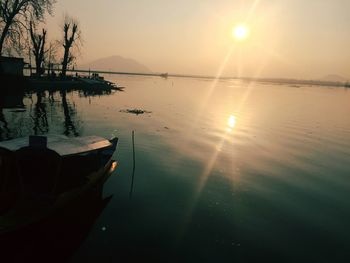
x: 29, y: 212
x: 37, y: 195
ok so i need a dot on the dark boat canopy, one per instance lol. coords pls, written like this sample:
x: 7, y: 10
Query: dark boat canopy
x: 62, y: 145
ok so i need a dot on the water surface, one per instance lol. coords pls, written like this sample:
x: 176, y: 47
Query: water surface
x: 225, y: 170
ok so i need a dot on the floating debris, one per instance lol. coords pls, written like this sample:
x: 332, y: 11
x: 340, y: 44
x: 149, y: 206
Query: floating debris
x: 135, y: 111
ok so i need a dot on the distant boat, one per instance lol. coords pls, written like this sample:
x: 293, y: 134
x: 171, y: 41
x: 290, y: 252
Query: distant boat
x: 164, y: 75
x: 95, y: 80
x: 40, y: 175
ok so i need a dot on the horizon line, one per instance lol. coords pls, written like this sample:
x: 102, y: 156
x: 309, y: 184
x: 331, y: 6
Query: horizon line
x: 280, y: 80
x: 178, y: 75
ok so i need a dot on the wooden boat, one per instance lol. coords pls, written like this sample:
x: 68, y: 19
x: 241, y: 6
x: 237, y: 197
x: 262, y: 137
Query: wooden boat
x: 40, y: 175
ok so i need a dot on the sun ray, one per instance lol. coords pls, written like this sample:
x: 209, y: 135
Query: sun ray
x: 210, y: 91
x: 231, y: 124
x: 203, y: 178
x: 252, y: 9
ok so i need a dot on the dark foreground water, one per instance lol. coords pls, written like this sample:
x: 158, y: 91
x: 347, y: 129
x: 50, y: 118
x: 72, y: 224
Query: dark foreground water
x: 226, y: 171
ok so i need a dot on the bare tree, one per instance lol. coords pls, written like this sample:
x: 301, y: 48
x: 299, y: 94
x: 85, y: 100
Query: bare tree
x: 71, y: 39
x: 14, y: 14
x: 51, y: 56
x: 38, y: 48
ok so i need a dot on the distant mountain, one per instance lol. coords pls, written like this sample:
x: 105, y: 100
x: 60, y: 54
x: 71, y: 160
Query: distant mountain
x: 117, y: 64
x: 335, y: 78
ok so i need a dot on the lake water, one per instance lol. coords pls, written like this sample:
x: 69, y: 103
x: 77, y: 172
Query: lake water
x: 226, y: 171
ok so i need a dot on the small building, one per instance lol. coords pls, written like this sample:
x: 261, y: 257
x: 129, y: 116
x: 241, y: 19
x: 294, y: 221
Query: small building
x: 11, y: 66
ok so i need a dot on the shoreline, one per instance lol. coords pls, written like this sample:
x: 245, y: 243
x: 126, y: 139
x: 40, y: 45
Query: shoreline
x: 13, y: 84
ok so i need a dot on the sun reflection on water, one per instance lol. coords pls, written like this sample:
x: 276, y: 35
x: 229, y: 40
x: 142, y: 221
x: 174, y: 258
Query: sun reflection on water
x: 231, y: 123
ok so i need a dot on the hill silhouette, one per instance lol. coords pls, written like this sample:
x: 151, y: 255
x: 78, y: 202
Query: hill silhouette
x: 117, y: 64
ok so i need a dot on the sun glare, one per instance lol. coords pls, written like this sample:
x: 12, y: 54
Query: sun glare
x: 240, y: 32
x: 231, y: 123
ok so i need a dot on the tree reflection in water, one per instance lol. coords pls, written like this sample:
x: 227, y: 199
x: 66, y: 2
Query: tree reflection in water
x: 39, y: 116
x: 70, y: 114
x: 8, y: 102
x: 40, y: 112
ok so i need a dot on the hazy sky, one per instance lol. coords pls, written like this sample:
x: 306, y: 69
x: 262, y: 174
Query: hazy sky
x: 288, y: 38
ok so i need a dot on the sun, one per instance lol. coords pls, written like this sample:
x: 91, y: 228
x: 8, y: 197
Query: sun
x: 240, y: 32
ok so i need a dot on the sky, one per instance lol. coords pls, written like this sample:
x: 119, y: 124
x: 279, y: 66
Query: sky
x: 287, y: 38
